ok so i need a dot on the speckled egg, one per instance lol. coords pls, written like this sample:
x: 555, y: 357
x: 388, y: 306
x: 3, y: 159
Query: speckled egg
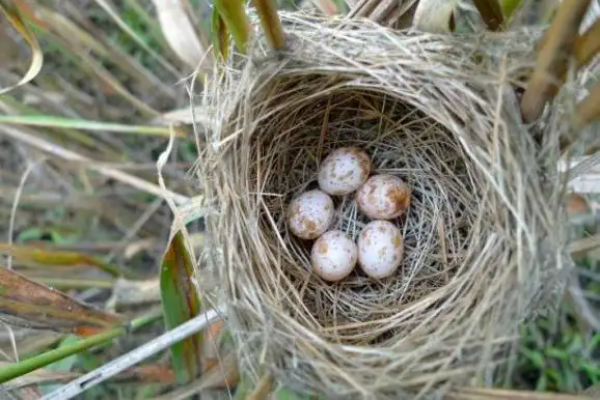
x: 310, y: 214
x: 380, y: 249
x: 344, y: 170
x: 383, y: 197
x: 333, y: 256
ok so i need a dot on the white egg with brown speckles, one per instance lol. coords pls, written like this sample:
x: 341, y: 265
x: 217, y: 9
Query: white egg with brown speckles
x: 333, y: 256
x: 383, y: 197
x: 344, y: 171
x: 310, y: 214
x: 380, y: 249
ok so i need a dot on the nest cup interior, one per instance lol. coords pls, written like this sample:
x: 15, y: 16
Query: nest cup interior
x: 401, y: 141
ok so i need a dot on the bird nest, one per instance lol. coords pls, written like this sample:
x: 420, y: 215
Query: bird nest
x: 483, y: 243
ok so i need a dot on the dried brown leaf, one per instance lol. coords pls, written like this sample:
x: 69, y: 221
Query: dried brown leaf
x: 434, y: 15
x: 587, y: 46
x: 32, y: 305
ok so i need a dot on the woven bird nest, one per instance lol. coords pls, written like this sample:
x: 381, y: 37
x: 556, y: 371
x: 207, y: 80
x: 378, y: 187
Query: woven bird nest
x: 484, y: 248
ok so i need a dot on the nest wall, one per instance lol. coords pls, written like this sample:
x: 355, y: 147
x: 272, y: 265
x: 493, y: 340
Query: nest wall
x: 484, y: 248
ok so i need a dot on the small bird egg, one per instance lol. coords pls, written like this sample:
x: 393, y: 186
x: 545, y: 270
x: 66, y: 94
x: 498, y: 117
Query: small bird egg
x: 310, y: 214
x: 344, y: 170
x: 383, y: 197
x: 333, y: 256
x: 380, y: 249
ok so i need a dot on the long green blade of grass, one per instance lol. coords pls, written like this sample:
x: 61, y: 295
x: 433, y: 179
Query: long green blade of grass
x: 491, y: 12
x: 234, y: 15
x: 220, y: 36
x: 267, y: 11
x: 36, y: 362
x: 181, y: 304
x: 509, y: 7
x: 50, y: 121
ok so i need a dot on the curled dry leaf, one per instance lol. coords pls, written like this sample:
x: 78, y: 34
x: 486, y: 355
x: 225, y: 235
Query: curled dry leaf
x: 180, y: 34
x: 13, y: 15
x: 434, y: 16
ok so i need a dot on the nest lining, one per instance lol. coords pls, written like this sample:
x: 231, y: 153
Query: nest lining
x: 481, y: 244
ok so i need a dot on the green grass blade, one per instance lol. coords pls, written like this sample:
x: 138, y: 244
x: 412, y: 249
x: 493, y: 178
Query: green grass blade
x: 180, y: 304
x: 51, y: 121
x: 491, y: 12
x: 267, y: 11
x: 236, y: 20
x: 220, y: 36
x: 31, y: 364
x: 509, y: 7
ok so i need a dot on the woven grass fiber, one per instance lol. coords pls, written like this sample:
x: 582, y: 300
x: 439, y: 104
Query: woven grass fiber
x: 484, y: 247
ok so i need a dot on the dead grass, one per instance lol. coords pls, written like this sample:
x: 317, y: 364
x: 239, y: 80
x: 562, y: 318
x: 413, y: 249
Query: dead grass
x: 483, y: 245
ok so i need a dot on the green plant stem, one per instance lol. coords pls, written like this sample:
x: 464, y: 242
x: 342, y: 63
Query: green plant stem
x: 234, y: 15
x: 65, y: 283
x: 51, y: 121
x: 31, y: 364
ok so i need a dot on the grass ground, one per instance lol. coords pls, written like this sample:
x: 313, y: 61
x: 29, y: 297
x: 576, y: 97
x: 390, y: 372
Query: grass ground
x: 77, y: 179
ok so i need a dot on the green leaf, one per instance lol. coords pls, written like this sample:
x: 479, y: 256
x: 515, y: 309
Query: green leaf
x: 234, y: 15
x: 554, y: 352
x: 491, y: 12
x: 64, y: 365
x: 267, y: 12
x: 180, y: 304
x: 542, y: 383
x: 287, y: 394
x: 509, y: 7
x: 536, y: 358
x: 243, y: 388
x: 220, y: 35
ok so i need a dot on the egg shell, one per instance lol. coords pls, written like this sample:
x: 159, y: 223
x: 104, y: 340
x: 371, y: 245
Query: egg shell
x: 310, y: 214
x: 344, y: 171
x: 383, y: 197
x: 334, y: 256
x: 380, y: 249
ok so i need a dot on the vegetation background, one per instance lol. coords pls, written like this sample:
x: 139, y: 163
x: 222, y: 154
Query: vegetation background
x: 80, y: 209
